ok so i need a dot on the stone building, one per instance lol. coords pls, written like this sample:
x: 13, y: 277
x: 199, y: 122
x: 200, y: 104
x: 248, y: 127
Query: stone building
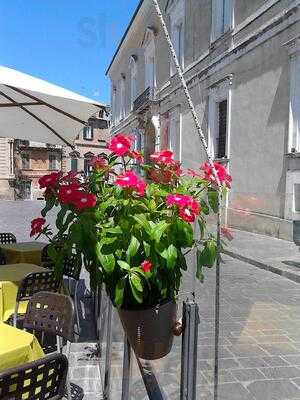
x: 241, y: 60
x: 23, y: 162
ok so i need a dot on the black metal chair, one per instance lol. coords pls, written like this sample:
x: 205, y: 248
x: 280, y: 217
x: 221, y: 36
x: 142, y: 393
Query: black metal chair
x: 72, y: 270
x: 34, y: 283
x: 46, y: 261
x: 7, y: 238
x: 53, y: 313
x: 2, y: 258
x: 37, y: 380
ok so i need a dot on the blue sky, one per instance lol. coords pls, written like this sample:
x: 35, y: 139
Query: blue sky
x: 67, y: 42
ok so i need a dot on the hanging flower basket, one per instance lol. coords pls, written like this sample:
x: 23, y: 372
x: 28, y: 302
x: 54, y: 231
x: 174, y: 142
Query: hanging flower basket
x: 132, y: 224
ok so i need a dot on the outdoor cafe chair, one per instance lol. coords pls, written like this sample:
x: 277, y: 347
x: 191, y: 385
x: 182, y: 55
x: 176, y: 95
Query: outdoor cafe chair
x: 72, y: 270
x: 7, y: 238
x: 42, y: 379
x: 53, y: 313
x: 33, y: 283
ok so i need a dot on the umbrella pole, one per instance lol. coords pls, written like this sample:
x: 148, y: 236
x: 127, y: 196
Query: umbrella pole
x: 211, y: 163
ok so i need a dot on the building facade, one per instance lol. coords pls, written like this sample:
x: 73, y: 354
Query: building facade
x: 23, y: 162
x: 241, y: 60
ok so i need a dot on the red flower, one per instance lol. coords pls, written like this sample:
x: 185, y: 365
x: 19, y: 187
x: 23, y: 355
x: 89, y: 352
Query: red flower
x: 160, y: 175
x: 82, y: 200
x: 146, y: 266
x: 67, y: 192
x: 71, y: 177
x: 120, y: 144
x: 193, y: 173
x: 162, y: 157
x: 224, y: 177
x: 37, y: 226
x: 187, y: 215
x: 50, y: 180
x: 136, y: 155
x: 130, y: 180
x: 98, y: 162
x: 188, y: 206
x: 226, y: 232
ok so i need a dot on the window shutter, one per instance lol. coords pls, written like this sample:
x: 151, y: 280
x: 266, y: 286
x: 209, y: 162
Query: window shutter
x: 222, y: 129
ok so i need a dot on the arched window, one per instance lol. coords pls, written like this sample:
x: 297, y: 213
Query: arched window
x: 133, y: 79
x: 150, y: 61
x: 74, y: 156
x: 176, y: 13
x: 122, y: 97
x: 87, y: 163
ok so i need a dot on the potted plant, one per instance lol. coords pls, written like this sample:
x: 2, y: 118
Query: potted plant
x: 134, y: 233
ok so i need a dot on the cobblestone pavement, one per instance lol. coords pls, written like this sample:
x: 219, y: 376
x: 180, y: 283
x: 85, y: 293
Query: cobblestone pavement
x: 259, y: 342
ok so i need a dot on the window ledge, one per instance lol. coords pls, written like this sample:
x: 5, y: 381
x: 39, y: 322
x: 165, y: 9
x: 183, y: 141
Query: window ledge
x: 216, y: 42
x: 295, y: 154
x: 223, y: 160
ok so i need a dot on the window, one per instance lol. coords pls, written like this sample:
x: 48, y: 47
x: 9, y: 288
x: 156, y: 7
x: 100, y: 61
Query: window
x: 88, y: 133
x: 74, y: 164
x: 176, y: 12
x: 133, y: 80
x: 219, y: 120
x: 296, y: 197
x: 175, y: 133
x: 25, y: 161
x: 114, y: 104
x: 53, y: 162
x: 222, y: 17
x: 150, y: 68
x: 87, y: 163
x: 294, y: 120
x: 122, y: 98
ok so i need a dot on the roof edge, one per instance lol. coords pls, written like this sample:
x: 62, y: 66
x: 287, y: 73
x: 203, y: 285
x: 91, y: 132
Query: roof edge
x: 124, y: 36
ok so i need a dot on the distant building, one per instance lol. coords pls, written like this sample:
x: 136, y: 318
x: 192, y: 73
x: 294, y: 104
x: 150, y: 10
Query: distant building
x: 241, y: 61
x: 23, y: 162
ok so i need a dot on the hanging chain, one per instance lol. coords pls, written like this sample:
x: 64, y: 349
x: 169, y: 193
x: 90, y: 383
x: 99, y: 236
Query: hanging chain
x: 211, y: 163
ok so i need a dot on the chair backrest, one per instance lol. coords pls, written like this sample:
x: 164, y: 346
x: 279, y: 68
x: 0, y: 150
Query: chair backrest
x: 51, y: 313
x: 37, y: 380
x: 2, y: 258
x: 72, y: 267
x: 37, y: 282
x: 7, y: 238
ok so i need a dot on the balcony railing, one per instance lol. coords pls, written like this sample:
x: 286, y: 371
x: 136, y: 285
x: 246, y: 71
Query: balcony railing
x: 144, y: 100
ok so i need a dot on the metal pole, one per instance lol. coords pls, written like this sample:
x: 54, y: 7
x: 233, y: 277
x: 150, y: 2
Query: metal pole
x: 189, y: 351
x: 217, y: 180
x: 106, y: 391
x: 126, y: 370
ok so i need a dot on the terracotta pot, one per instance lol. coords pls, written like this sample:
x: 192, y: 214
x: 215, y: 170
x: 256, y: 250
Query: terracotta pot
x: 150, y: 330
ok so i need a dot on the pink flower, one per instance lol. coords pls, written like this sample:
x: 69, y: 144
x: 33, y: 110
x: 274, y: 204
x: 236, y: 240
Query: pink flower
x: 162, y: 157
x: 130, y: 180
x: 82, y: 200
x: 37, y: 226
x: 224, y: 177
x: 226, y: 232
x: 146, y: 266
x: 120, y: 144
x: 98, y: 162
x: 179, y: 200
x: 194, y: 174
x: 187, y: 215
x: 50, y: 180
x: 127, y: 180
x: 136, y: 155
x: 71, y: 177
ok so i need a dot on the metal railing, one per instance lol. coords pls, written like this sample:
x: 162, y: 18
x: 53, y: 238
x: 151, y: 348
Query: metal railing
x: 143, y: 101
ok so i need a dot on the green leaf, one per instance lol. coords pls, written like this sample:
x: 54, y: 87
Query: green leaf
x: 213, y: 200
x: 60, y: 217
x: 199, y: 272
x: 158, y: 230
x: 204, y: 207
x: 136, y: 281
x: 147, y: 248
x: 208, y: 255
x: 182, y: 261
x: 132, y: 248
x: 141, y: 219
x: 50, y: 202
x: 124, y: 265
x: 170, y: 255
x: 107, y: 261
x: 119, y: 292
x: 136, y: 294
x: 116, y: 230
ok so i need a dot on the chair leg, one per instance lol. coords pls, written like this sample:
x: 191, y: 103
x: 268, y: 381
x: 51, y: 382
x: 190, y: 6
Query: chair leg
x: 69, y: 394
x: 76, y: 306
x: 16, y: 314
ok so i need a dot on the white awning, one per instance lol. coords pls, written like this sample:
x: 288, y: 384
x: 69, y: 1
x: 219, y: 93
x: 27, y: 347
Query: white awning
x: 33, y: 109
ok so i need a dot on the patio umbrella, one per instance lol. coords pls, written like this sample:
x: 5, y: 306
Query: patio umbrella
x: 36, y: 110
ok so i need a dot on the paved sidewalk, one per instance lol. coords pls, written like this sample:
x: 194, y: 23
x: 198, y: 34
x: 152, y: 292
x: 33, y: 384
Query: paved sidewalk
x: 275, y: 255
